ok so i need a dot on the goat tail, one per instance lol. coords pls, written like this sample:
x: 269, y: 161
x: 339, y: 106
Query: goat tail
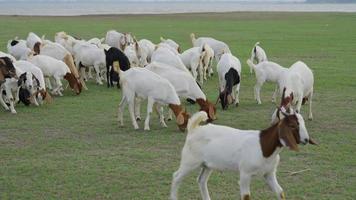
x: 192, y: 38
x: 257, y: 43
x: 251, y: 64
x: 195, y: 120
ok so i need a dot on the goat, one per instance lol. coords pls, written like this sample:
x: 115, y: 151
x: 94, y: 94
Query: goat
x: 118, y: 40
x: 219, y: 47
x: 164, y: 55
x: 115, y: 57
x: 193, y: 60
x: 34, y: 42
x: 58, y: 52
x: 258, y: 55
x: 266, y: 71
x: 40, y: 87
x: 215, y: 147
x: 229, y: 72
x: 297, y: 87
x: 65, y: 40
x: 142, y: 83
x: 208, y: 61
x: 147, y: 48
x: 86, y: 54
x: 171, y: 43
x: 8, y: 75
x: 18, y: 49
x: 184, y: 85
x: 57, y: 69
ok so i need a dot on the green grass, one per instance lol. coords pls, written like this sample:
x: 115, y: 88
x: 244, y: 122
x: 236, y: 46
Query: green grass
x: 74, y: 149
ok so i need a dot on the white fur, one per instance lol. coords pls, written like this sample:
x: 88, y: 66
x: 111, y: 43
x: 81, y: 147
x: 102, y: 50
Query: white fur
x: 51, y: 67
x: 208, y: 61
x: 164, y: 55
x: 193, y: 60
x: 2, y: 54
x: 20, y: 51
x: 299, y: 80
x: 142, y: 83
x: 226, y: 62
x: 171, y: 43
x: 147, y: 48
x: 118, y: 40
x: 89, y: 55
x: 32, y: 39
x: 258, y: 56
x: 219, y: 47
x: 214, y: 147
x: 65, y: 40
x: 266, y: 71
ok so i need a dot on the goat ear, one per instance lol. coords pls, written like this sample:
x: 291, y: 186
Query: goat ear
x: 211, y: 112
x: 180, y: 119
x: 286, y: 135
x: 229, y: 99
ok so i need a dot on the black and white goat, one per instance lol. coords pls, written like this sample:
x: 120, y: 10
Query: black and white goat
x: 229, y: 72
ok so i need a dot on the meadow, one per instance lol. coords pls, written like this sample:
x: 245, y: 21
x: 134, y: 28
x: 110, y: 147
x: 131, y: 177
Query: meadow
x: 74, y: 148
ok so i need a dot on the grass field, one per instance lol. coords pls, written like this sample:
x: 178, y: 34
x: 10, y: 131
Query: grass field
x: 74, y: 149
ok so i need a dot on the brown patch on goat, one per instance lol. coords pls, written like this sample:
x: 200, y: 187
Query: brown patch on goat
x: 181, y: 116
x: 286, y: 101
x: 208, y: 107
x: 73, y: 83
x: 36, y: 48
x: 287, y: 129
x: 68, y: 60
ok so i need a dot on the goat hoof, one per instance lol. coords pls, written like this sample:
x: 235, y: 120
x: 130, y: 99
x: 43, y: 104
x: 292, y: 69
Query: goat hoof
x: 237, y: 104
x: 147, y: 128
x: 138, y: 118
x: 169, y: 119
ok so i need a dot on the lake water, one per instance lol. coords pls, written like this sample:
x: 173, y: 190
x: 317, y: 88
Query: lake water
x: 95, y: 8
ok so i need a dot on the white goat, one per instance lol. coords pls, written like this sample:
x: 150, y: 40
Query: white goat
x: 89, y: 55
x: 33, y: 42
x: 208, y: 61
x: 57, y: 51
x: 18, y: 49
x: 65, y: 40
x: 136, y: 55
x: 229, y: 72
x: 214, y: 147
x: 118, y: 40
x: 164, y: 55
x: 172, y: 44
x: 258, y: 55
x: 266, y: 71
x: 52, y: 67
x: 142, y: 83
x: 219, y: 47
x: 185, y: 86
x: 193, y: 60
x: 297, y: 87
x: 147, y: 48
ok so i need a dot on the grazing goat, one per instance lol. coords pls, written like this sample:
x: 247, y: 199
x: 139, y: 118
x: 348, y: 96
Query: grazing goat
x: 34, y: 42
x: 58, y: 52
x: 88, y: 55
x: 147, y: 49
x: 258, y: 55
x: 7, y: 76
x: 18, y: 49
x: 118, y: 40
x: 214, y: 147
x: 142, y: 83
x: 266, y: 71
x: 193, y: 60
x: 40, y: 93
x: 164, y: 55
x: 219, y: 47
x: 172, y: 44
x: 115, y: 57
x: 57, y: 69
x: 297, y: 87
x: 185, y: 86
x: 208, y: 61
x: 229, y: 72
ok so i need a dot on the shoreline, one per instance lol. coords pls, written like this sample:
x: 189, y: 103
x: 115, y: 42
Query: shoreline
x: 179, y: 13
